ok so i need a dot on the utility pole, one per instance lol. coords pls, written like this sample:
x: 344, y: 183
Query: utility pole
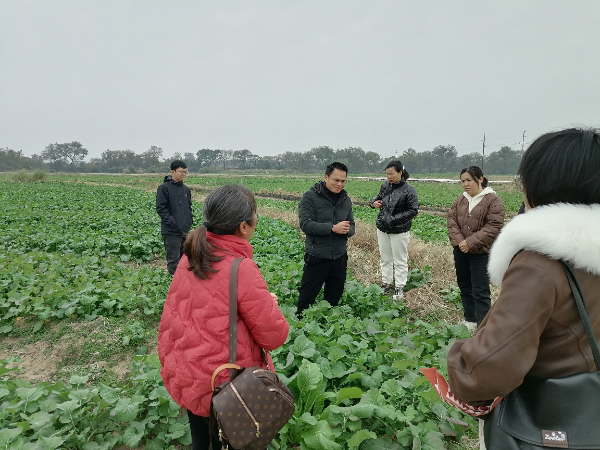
x: 523, y: 141
x: 483, y: 152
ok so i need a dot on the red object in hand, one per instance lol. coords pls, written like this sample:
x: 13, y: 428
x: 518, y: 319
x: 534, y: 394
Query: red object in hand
x: 443, y: 390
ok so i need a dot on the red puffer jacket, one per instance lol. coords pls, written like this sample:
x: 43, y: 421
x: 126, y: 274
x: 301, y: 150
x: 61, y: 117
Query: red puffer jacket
x: 193, y: 337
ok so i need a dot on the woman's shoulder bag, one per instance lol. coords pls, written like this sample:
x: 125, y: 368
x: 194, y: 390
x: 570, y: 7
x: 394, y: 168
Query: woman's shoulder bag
x: 251, y: 408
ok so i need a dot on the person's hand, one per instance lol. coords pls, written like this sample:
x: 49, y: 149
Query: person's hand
x: 464, y: 246
x: 342, y: 227
x: 377, y: 204
x: 274, y: 297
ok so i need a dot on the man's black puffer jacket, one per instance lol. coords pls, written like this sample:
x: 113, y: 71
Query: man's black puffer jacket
x: 400, y: 206
x: 317, y: 214
x: 174, y: 206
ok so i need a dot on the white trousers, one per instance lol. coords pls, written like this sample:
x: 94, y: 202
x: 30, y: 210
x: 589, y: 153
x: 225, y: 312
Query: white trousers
x: 393, y: 249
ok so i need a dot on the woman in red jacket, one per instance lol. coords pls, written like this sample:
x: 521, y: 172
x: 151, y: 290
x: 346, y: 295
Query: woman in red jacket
x: 193, y: 332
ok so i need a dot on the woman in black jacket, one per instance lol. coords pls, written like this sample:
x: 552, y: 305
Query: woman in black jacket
x: 398, y: 204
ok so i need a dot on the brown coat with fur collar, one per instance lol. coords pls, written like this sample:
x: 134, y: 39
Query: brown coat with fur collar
x: 533, y: 329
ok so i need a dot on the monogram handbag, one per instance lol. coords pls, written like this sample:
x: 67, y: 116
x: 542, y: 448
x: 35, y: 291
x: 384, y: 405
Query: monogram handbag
x: 553, y: 413
x: 251, y: 408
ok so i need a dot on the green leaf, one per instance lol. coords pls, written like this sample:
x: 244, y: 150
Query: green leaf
x: 29, y: 394
x: 132, y: 437
x: 155, y: 444
x: 433, y: 441
x: 110, y: 395
x: 336, y: 353
x: 51, y: 443
x: 39, y: 420
x: 320, y: 437
x: 8, y: 435
x: 440, y: 410
x: 308, y: 418
x: 360, y: 436
x: 309, y: 376
x: 345, y: 393
x: 403, y: 364
x: 69, y: 406
x: 126, y: 409
x: 380, y: 444
x: 363, y: 410
x: 458, y: 425
x: 78, y: 380
x: 304, y: 347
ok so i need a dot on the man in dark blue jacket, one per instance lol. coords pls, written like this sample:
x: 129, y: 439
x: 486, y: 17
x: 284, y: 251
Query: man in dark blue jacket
x: 325, y: 214
x: 174, y: 206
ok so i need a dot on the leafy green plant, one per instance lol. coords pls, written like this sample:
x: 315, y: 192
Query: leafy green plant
x: 452, y: 295
x: 353, y: 368
x: 75, y: 415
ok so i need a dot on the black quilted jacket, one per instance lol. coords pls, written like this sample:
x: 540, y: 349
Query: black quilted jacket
x: 400, y: 206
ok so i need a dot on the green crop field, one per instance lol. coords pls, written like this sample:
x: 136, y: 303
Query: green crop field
x: 431, y: 194
x: 76, y: 255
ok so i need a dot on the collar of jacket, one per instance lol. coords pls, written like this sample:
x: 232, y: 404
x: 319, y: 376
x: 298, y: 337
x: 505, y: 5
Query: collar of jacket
x: 560, y: 231
x: 487, y: 190
x: 320, y: 187
x: 232, y: 243
x: 169, y: 178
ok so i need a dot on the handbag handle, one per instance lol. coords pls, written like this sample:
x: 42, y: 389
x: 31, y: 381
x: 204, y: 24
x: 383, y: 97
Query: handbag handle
x: 582, y: 312
x: 233, y: 282
x: 218, y: 369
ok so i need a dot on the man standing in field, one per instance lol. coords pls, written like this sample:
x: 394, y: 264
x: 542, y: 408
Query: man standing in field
x: 174, y: 206
x: 325, y: 213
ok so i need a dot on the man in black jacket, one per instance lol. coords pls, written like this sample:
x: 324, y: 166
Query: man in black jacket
x: 325, y: 213
x: 174, y: 206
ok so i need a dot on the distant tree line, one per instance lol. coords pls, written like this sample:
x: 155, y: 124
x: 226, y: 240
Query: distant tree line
x: 443, y: 159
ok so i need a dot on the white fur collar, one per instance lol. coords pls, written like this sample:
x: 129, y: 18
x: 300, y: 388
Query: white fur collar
x: 560, y: 231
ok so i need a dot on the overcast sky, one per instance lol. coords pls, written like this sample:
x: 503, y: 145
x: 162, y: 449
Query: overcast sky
x: 277, y: 76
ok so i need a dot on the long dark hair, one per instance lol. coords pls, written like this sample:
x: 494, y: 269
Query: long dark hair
x: 562, y: 167
x: 476, y: 173
x: 397, y: 165
x: 224, y: 210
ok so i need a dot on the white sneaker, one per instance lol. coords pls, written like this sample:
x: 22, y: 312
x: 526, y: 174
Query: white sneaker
x: 398, y: 294
x: 471, y: 326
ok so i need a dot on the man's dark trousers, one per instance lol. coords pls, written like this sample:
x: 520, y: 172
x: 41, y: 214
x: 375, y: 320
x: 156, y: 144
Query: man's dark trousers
x: 317, y: 271
x: 174, y: 250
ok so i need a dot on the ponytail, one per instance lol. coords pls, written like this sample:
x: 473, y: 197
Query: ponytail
x: 200, y: 253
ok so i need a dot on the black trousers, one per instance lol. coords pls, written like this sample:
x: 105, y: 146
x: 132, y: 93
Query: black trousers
x: 317, y: 271
x: 201, y: 436
x: 474, y: 284
x: 174, y: 250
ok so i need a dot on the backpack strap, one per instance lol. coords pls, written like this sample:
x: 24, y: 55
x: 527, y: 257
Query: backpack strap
x: 233, y: 285
x: 582, y: 312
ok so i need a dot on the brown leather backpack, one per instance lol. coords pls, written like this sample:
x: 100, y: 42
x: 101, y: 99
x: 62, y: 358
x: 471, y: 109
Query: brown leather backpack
x: 251, y: 408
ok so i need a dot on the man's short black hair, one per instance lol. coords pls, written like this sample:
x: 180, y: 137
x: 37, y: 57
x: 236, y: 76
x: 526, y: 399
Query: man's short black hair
x: 562, y: 167
x: 335, y: 165
x: 177, y: 164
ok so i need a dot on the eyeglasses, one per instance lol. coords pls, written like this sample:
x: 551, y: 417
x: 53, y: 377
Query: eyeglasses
x: 182, y: 172
x: 337, y: 180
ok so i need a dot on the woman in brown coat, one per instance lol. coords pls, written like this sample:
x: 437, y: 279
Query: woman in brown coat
x: 474, y: 222
x: 534, y: 328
